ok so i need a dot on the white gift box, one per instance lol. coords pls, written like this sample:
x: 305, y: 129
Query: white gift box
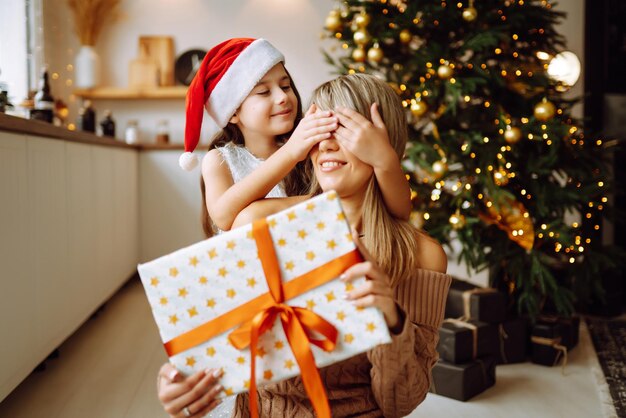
x: 193, y: 286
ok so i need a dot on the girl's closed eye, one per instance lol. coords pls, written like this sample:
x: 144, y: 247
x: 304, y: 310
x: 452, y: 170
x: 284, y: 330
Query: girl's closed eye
x: 263, y: 92
x: 286, y: 88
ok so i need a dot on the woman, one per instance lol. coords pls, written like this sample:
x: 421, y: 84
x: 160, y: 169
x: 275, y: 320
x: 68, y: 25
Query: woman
x: 405, y: 268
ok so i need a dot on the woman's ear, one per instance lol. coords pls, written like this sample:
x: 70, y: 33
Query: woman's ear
x: 234, y: 119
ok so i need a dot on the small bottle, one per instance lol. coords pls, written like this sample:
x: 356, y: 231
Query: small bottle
x: 163, y: 132
x: 132, y: 132
x: 4, y: 100
x: 108, y: 124
x: 87, y: 118
x: 44, y: 102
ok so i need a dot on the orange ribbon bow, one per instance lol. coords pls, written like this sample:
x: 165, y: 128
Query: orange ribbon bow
x: 296, y: 322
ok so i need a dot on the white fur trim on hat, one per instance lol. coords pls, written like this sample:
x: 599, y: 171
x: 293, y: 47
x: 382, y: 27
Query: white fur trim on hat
x: 243, y: 74
x: 188, y: 161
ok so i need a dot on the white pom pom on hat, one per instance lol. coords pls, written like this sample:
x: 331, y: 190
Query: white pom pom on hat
x: 226, y: 76
x: 187, y: 161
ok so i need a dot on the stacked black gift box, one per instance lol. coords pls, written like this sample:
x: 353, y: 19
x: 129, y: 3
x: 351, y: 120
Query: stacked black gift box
x: 475, y: 338
x: 478, y: 335
x: 552, y: 337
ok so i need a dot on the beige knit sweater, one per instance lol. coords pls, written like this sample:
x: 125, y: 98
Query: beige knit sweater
x: 390, y: 380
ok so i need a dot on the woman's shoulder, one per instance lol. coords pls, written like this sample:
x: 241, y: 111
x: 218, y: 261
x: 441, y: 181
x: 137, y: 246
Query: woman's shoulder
x: 431, y: 254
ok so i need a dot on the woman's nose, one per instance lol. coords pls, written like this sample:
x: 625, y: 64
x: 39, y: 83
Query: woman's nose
x: 329, y: 144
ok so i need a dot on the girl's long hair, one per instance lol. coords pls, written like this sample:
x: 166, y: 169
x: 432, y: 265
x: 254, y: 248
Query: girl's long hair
x: 296, y: 182
x: 392, y: 242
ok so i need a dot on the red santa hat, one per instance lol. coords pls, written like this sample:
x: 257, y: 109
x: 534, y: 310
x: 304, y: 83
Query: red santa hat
x: 228, y: 73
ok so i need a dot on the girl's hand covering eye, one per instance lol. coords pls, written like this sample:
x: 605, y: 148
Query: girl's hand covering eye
x: 316, y: 126
x: 368, y: 141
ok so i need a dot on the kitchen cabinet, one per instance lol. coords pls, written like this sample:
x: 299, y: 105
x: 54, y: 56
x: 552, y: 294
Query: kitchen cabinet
x: 69, y: 238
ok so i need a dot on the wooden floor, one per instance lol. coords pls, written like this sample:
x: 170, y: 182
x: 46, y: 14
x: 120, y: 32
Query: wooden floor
x: 108, y: 369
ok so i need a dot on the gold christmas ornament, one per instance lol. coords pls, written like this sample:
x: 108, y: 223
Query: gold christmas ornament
x: 359, y: 54
x: 333, y: 21
x: 375, y: 53
x: 511, y: 217
x: 501, y: 177
x: 512, y: 134
x: 362, y: 20
x: 405, y: 36
x: 439, y: 168
x: 457, y: 220
x: 545, y: 110
x: 470, y: 14
x: 445, y: 71
x: 418, y: 108
x: 362, y: 37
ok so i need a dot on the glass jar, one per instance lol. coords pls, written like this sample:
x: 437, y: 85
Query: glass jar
x: 163, y: 132
x: 131, y: 135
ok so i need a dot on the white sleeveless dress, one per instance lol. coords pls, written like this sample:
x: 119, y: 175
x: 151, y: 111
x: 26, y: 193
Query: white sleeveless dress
x: 241, y: 162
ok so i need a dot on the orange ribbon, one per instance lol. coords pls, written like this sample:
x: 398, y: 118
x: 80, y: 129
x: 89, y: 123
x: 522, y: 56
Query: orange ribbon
x: 296, y: 322
x: 258, y: 315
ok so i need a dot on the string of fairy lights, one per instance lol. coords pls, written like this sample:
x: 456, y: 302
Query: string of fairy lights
x: 544, y: 125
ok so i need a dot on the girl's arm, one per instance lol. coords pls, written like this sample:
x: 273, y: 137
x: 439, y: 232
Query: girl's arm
x: 369, y: 142
x: 225, y: 198
x: 265, y: 207
x: 394, y: 186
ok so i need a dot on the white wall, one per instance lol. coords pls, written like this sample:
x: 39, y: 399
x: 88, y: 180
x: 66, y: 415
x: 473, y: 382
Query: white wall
x: 13, y: 69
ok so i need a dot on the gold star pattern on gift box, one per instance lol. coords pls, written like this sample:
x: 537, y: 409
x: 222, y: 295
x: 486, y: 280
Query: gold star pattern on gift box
x: 196, y: 284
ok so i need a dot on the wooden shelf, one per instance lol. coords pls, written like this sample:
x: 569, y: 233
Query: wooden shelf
x: 161, y: 147
x: 119, y: 93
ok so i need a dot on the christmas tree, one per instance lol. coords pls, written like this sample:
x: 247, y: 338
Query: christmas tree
x: 495, y: 160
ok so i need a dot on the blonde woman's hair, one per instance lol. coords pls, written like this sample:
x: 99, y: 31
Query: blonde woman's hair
x: 392, y: 242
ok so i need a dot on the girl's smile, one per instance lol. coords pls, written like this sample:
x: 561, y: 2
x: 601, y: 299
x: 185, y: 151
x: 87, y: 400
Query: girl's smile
x: 286, y: 112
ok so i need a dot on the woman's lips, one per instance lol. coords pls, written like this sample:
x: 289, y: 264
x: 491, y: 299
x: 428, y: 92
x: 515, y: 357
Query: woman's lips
x: 331, y: 165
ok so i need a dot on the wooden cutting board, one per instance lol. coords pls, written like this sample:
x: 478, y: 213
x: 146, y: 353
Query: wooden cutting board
x: 160, y: 49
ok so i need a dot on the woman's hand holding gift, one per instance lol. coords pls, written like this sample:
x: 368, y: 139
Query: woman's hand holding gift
x: 375, y: 291
x: 192, y: 396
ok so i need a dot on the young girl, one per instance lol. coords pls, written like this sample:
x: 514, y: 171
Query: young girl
x: 407, y: 281
x: 253, y: 108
